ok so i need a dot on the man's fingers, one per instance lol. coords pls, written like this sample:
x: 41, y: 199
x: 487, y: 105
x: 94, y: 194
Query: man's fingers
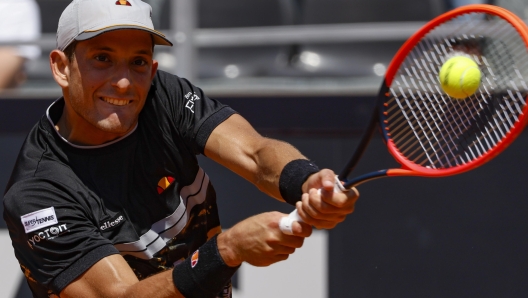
x: 325, y: 204
x: 319, y: 220
x: 353, y: 194
x: 264, y: 262
x: 338, y: 203
x: 301, y: 229
x: 323, y: 179
x: 336, y: 199
x: 328, y: 178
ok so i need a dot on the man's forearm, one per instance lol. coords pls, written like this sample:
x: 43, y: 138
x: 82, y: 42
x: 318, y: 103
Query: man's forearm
x: 203, y: 274
x: 113, y: 277
x: 237, y: 146
x: 271, y: 160
x: 158, y: 285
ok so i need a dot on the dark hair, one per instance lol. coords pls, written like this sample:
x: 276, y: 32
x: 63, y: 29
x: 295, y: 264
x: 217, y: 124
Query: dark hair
x: 70, y: 50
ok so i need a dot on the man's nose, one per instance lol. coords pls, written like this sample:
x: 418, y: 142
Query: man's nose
x: 123, y: 83
x: 122, y: 79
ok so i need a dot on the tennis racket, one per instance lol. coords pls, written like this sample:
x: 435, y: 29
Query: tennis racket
x: 431, y: 134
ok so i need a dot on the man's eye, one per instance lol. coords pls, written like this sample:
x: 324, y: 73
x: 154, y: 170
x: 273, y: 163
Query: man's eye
x: 140, y: 62
x: 101, y: 58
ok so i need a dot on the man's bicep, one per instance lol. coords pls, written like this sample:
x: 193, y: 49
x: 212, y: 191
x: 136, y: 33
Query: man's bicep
x: 109, y: 277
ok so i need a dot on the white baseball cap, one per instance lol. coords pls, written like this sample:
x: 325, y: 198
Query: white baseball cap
x: 84, y: 19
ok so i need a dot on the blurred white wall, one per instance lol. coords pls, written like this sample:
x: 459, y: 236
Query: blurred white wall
x: 303, y: 274
x: 10, y: 273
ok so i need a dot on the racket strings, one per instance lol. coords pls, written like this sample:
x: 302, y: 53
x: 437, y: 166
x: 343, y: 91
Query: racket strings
x: 465, y: 128
x: 415, y: 152
x: 436, y: 131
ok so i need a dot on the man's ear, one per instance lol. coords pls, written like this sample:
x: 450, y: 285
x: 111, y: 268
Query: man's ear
x: 60, y: 67
x: 154, y: 68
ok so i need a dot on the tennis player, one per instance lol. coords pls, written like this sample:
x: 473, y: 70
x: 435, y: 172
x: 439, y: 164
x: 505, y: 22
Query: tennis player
x: 107, y: 198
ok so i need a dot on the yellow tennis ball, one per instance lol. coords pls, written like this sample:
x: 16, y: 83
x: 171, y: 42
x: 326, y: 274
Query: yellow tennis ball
x: 460, y: 77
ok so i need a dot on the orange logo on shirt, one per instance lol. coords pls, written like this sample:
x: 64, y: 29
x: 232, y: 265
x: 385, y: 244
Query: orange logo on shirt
x: 164, y: 183
x: 194, y: 258
x: 123, y: 2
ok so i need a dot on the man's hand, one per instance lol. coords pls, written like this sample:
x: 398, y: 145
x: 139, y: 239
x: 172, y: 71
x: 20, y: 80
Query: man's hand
x: 259, y: 241
x: 325, y: 209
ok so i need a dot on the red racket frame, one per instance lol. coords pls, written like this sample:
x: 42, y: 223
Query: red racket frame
x: 408, y: 167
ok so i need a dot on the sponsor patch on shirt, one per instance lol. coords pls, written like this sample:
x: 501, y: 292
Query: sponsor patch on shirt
x: 39, y: 219
x: 164, y: 183
x: 191, y: 98
x: 47, y: 234
x: 112, y: 223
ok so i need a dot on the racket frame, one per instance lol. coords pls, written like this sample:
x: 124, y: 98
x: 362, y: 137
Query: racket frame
x: 409, y: 168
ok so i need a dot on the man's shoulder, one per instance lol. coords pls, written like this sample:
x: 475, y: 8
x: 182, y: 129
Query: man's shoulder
x: 41, y: 164
x: 165, y: 79
x: 171, y: 84
x: 166, y: 95
x: 26, y: 193
x: 52, y: 175
x: 39, y: 153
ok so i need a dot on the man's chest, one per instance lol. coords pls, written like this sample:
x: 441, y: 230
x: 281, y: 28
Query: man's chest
x: 134, y: 185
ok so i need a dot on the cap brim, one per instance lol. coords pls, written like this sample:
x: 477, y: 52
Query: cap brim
x: 159, y: 38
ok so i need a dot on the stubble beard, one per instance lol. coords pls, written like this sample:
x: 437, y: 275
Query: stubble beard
x: 105, y: 123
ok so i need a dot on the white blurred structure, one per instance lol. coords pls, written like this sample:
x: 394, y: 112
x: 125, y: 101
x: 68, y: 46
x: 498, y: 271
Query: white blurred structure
x: 304, y: 274
x: 20, y: 22
x: 10, y: 273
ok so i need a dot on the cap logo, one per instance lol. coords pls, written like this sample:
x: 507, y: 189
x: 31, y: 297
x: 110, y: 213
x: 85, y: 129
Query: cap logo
x: 123, y: 2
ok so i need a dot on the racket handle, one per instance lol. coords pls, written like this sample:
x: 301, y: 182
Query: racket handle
x: 286, y: 222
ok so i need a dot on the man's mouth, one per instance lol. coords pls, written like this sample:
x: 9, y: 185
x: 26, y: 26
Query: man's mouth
x: 116, y: 101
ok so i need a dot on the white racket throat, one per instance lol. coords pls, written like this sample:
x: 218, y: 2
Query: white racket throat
x: 286, y: 223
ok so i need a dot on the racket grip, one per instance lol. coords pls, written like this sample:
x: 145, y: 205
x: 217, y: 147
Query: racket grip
x: 286, y: 222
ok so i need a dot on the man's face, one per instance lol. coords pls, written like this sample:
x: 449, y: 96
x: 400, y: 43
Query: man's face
x: 110, y: 76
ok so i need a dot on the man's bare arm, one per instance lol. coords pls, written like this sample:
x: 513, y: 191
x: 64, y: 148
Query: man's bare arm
x: 112, y: 277
x: 236, y: 145
x: 256, y: 240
